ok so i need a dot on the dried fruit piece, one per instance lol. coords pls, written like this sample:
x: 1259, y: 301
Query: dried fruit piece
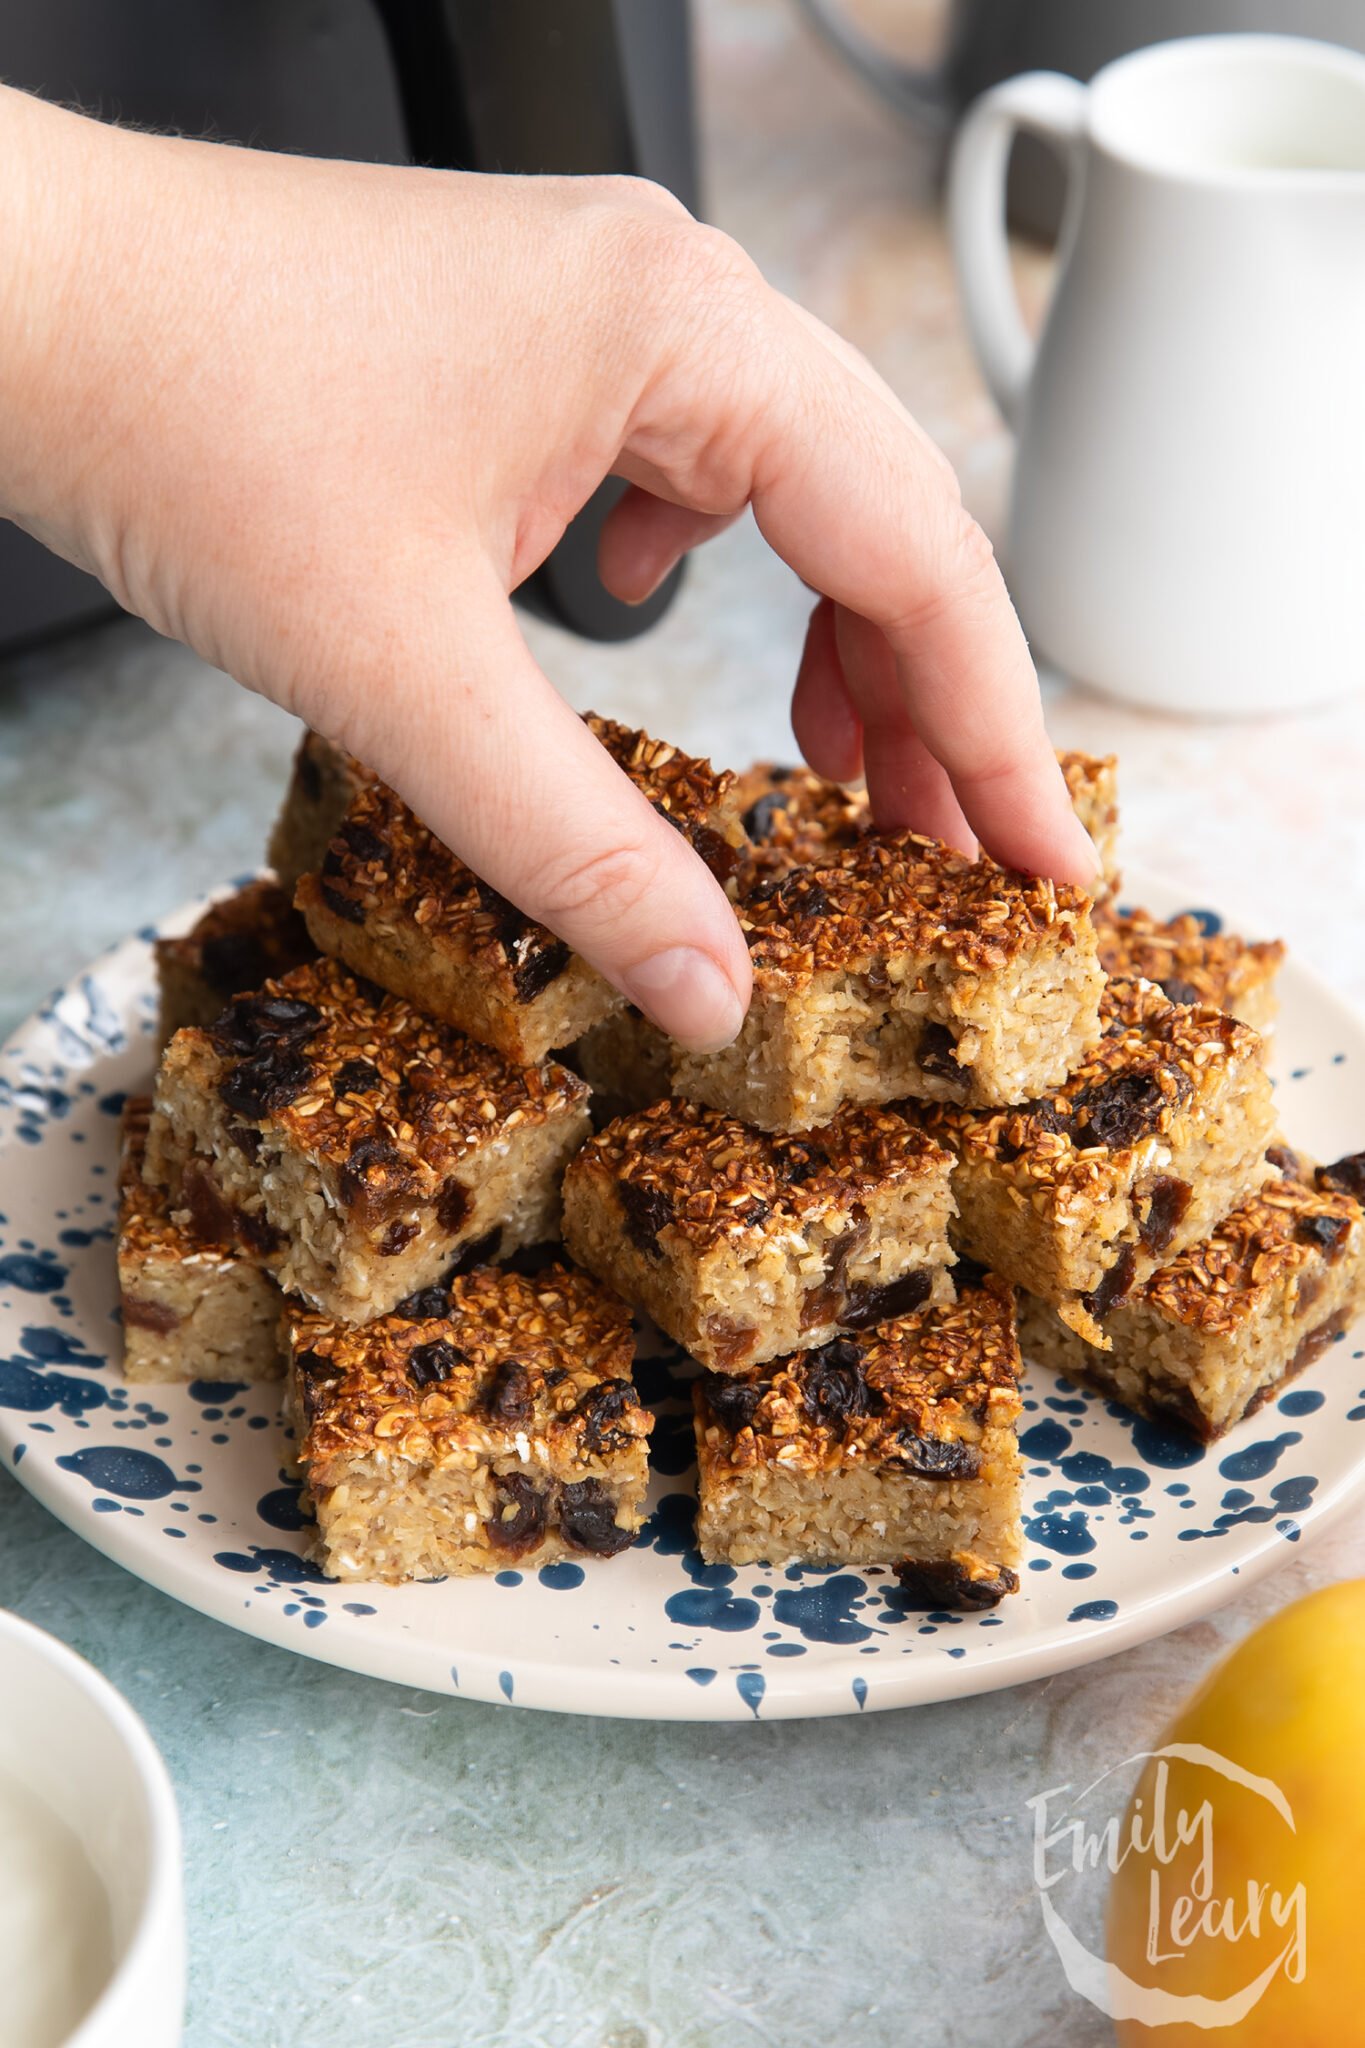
x: 1345, y: 1176
x: 952, y: 1585
x: 1112, y: 1287
x: 587, y: 1520
x: 1168, y: 1200
x: 254, y: 1022
x: 518, y: 1521
x: 356, y: 1077
x: 734, y: 1403
x: 601, y: 1409
x: 429, y: 1364
x: 1327, y: 1233
x: 937, y: 1053
x: 836, y: 1389
x: 267, y: 1082
x: 1124, y: 1107
x: 511, y: 1396
x: 937, y: 1457
x: 866, y: 1305
x: 648, y: 1210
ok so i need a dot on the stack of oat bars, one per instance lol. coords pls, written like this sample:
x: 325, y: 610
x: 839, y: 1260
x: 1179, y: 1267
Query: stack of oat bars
x: 964, y: 1102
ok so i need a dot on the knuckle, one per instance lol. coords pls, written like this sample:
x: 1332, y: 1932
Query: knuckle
x: 608, y: 884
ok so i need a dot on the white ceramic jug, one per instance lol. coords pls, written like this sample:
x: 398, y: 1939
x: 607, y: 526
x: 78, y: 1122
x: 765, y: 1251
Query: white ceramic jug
x: 1187, y: 525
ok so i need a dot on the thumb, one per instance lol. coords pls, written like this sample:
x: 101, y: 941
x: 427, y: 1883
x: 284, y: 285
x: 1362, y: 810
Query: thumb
x: 493, y: 760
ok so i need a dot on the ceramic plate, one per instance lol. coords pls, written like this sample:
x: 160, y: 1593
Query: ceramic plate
x: 1131, y: 1528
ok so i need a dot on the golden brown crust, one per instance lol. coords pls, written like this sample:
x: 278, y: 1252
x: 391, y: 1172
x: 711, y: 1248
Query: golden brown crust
x: 902, y: 902
x: 241, y: 941
x: 547, y: 1358
x: 1229, y: 1277
x: 1156, y: 1060
x: 712, y: 1177
x: 1187, y: 963
x: 374, y: 1088
x: 914, y: 1394
x: 794, y: 817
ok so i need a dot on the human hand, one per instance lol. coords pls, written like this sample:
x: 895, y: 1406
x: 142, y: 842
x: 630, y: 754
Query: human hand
x: 318, y: 419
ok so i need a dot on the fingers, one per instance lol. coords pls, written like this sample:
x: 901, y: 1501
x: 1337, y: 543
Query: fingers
x: 501, y: 769
x: 827, y: 727
x: 644, y: 537
x: 852, y: 494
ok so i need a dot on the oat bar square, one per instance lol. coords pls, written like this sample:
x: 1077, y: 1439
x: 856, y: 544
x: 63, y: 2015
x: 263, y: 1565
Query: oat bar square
x: 1192, y: 965
x: 323, y: 783
x: 1081, y: 1194
x: 192, y: 1307
x: 895, y: 1447
x: 1216, y: 1333
x: 506, y: 1431
x: 1092, y: 785
x: 743, y: 1246
x: 241, y: 941
x: 398, y: 906
x: 357, y: 1146
x: 899, y: 968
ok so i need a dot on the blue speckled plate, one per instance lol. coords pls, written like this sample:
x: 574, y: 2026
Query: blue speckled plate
x: 1132, y: 1529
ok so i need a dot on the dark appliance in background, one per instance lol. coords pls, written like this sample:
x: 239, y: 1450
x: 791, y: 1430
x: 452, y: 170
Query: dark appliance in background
x: 570, y: 86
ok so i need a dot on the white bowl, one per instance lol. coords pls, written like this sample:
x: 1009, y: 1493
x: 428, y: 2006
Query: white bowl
x: 74, y: 1743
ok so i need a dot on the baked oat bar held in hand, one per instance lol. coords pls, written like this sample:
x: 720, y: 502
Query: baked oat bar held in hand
x: 1216, y: 1333
x: 323, y: 783
x: 898, y: 1446
x: 241, y: 941
x: 504, y: 1432
x: 899, y: 968
x: 1081, y: 1194
x: 357, y: 1146
x: 743, y: 1246
x: 398, y: 906
x: 193, y: 1307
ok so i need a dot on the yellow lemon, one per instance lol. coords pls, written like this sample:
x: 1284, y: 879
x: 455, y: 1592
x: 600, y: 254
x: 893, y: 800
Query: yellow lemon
x: 1236, y: 1909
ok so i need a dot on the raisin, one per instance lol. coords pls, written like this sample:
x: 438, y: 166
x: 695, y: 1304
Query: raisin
x: 510, y: 1392
x: 478, y: 1252
x: 968, y: 1273
x: 429, y: 1364
x: 867, y: 1305
x: 396, y: 1238
x: 758, y: 819
x: 255, y: 1022
x: 316, y: 1375
x: 333, y: 862
x: 245, y: 1139
x: 934, y: 1458
x: 810, y: 901
x: 951, y: 1585
x: 1177, y: 990
x: 732, y: 1402
x: 148, y: 1315
x: 426, y: 1305
x: 211, y: 1214
x: 230, y: 961
x: 648, y: 1210
x: 342, y: 906
x: 836, y: 1389
x: 1284, y: 1161
x: 601, y: 1409
x: 375, y: 1179
x: 534, y: 973
x: 587, y: 1520
x: 267, y: 1082
x: 365, y: 844
x: 1113, y: 1286
x: 452, y: 1205
x: 1327, y: 1233
x: 519, y: 1518
x: 1167, y: 1203
x: 716, y: 853
x: 1345, y: 1176
x: 802, y: 1161
x: 937, y: 1053
x: 356, y: 1077
x: 254, y: 1231
x: 730, y: 1340
x: 1120, y: 1110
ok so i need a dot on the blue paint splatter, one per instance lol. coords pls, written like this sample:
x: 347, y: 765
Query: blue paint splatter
x: 505, y: 1684
x: 359, y: 1607
x: 1094, y: 1610
x: 1157, y: 1444
x: 114, y: 1103
x: 281, y: 1567
x: 216, y: 1392
x: 700, y: 1674
x: 1045, y: 1440
x: 1066, y: 1534
x: 712, y: 1607
x: 751, y: 1686
x: 315, y: 1617
x: 132, y: 1475
x: 1091, y: 1469
x: 507, y: 1578
x: 1303, y: 1401
x: 860, y: 1692
x: 1257, y: 1460
x: 33, y: 1274
x: 672, y: 1445
x: 561, y: 1577
x: 281, y: 1510
x: 32, y: 1392
x: 824, y: 1613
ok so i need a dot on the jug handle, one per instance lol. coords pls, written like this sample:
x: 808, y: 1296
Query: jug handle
x: 1047, y: 104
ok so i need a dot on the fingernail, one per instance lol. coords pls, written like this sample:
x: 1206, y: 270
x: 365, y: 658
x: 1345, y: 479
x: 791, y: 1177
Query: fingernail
x: 687, y: 995
x: 643, y: 596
